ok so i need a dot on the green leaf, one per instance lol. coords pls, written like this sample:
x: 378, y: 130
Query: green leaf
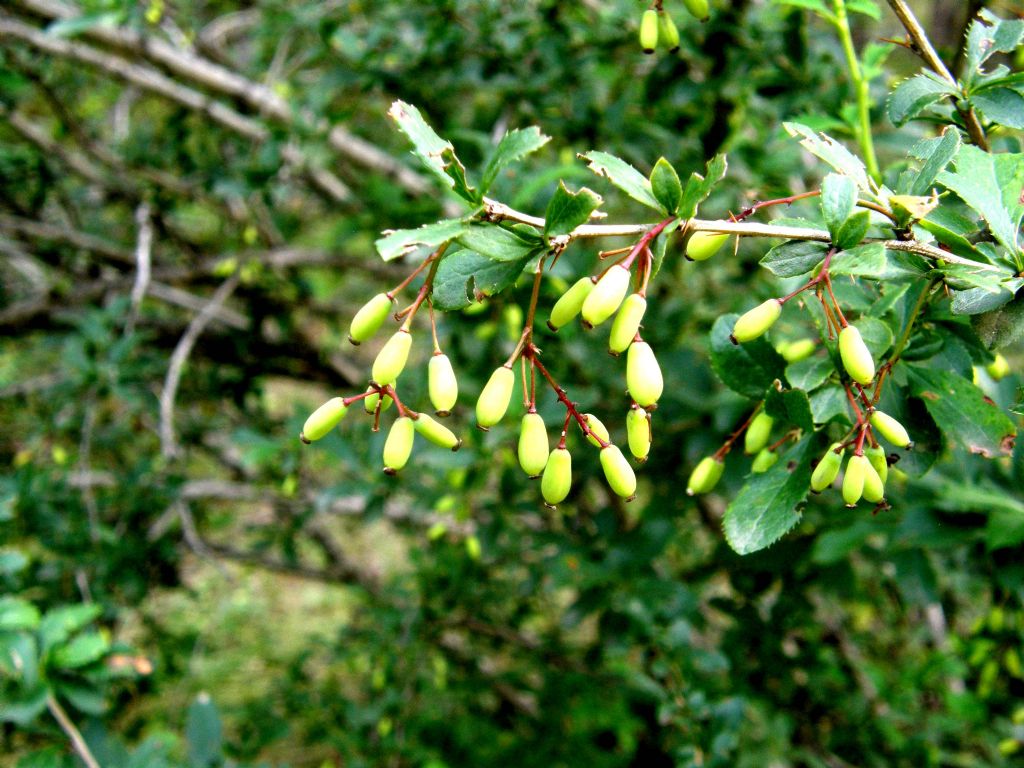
x: 496, y: 243
x: 567, y: 210
x: 936, y: 154
x: 204, y: 732
x: 403, y: 241
x: 750, y: 368
x: 962, y: 411
x: 12, y: 561
x: 19, y: 657
x: 81, y: 651
x: 666, y: 186
x: 810, y: 373
x: 878, y: 336
x: 790, y: 406
x: 832, y: 152
x: 513, y: 147
x: 951, y: 228
x: 866, y: 7
x: 838, y: 200
x: 991, y: 185
x: 866, y: 260
x: 765, y: 508
x: 24, y: 707
x: 1001, y: 105
x: 988, y: 35
x: 624, y: 176
x: 794, y: 257
x: 465, y: 276
x: 817, y: 6
x: 829, y: 403
x: 698, y: 187
x: 58, y: 624
x: 660, y: 246
x: 916, y: 94
x: 853, y: 230
x: 1001, y: 327
x: 17, y: 614
x: 78, y: 24
x: 89, y: 701
x: 978, y: 301
x: 436, y: 154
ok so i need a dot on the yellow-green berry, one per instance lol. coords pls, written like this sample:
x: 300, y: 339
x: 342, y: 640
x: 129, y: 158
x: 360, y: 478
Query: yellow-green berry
x: 533, y: 445
x: 857, y: 469
x: 617, y: 472
x: 878, y: 460
x: 667, y: 31
x: 392, y: 358
x: 756, y: 322
x: 699, y: 8
x: 638, y: 433
x: 398, y: 445
x: 999, y: 367
x: 758, y: 432
x: 442, y: 384
x: 891, y: 430
x: 627, y: 323
x: 495, y: 397
x: 643, y: 374
x: 370, y: 401
x: 369, y: 318
x: 602, y: 302
x: 649, y: 31
x: 597, y: 428
x: 794, y: 351
x: 437, y: 433
x: 874, y: 486
x: 705, y: 476
x: 557, y: 478
x: 570, y: 303
x: 856, y: 356
x: 828, y: 468
x: 703, y: 245
x: 764, y: 461
x: 323, y: 420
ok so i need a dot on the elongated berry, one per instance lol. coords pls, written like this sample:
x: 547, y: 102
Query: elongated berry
x: 998, y: 368
x: 627, y: 323
x: 764, y: 461
x: 557, y: 478
x: 570, y: 303
x: 703, y: 245
x: 643, y: 374
x: 891, y: 430
x: 323, y: 420
x: 794, y: 351
x: 442, y: 384
x: 597, y: 427
x: 533, y: 445
x: 758, y: 432
x: 668, y: 33
x: 649, y: 31
x: 495, y: 397
x: 398, y: 446
x: 606, y: 297
x: 638, y: 433
x: 856, y: 356
x: 369, y: 318
x: 437, y: 433
x: 370, y: 402
x: 756, y: 321
x: 699, y: 8
x: 392, y: 358
x: 853, y: 481
x: 705, y: 476
x: 878, y: 461
x: 828, y: 468
x: 874, y: 486
x: 620, y: 476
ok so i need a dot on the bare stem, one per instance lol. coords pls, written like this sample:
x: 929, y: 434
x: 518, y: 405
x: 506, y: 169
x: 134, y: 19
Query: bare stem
x: 71, y: 731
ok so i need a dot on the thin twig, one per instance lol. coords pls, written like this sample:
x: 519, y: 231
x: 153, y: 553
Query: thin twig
x: 71, y: 731
x: 168, y: 441
x: 144, y: 259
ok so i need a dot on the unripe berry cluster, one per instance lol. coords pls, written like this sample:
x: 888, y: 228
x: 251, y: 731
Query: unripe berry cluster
x: 658, y: 28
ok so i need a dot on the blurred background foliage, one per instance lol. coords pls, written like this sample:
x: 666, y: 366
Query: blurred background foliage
x: 192, y: 588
